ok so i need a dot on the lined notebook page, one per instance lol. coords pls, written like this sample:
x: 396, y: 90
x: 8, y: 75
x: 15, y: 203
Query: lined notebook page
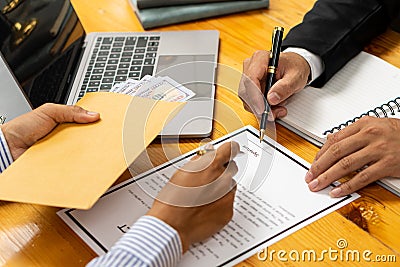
x: 365, y: 83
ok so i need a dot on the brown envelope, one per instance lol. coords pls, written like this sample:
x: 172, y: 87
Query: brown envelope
x: 76, y: 163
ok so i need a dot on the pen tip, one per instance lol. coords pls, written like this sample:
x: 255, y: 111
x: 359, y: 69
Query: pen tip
x: 261, y: 135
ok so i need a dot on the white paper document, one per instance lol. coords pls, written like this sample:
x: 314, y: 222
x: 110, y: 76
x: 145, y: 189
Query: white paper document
x: 272, y: 201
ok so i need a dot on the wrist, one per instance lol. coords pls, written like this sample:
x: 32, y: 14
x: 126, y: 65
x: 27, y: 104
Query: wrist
x: 314, y: 62
x: 302, y: 64
x: 173, y: 222
x: 9, y: 137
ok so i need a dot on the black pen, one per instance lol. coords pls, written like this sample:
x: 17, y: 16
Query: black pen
x: 270, y: 80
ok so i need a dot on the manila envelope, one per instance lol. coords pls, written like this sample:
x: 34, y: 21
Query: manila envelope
x: 76, y: 163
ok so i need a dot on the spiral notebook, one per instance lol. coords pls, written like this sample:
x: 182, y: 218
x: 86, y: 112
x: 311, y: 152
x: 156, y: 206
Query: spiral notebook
x: 366, y: 85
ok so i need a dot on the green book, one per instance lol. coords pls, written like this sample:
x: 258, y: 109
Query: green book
x: 161, y: 16
x: 141, y: 4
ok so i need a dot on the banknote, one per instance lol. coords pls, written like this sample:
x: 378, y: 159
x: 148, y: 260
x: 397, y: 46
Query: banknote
x: 158, y: 88
x: 120, y: 87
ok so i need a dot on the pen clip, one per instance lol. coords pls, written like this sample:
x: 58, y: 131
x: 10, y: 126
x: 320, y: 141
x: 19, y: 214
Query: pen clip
x: 272, y: 44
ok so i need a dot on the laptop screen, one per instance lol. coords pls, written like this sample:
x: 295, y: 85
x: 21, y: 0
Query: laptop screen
x: 50, y: 31
x: 12, y: 100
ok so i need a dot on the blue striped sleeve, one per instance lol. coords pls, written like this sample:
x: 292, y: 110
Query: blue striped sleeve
x: 5, y: 154
x: 149, y: 242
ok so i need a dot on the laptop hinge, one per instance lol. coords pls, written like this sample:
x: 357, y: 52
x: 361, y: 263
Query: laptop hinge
x: 72, y: 69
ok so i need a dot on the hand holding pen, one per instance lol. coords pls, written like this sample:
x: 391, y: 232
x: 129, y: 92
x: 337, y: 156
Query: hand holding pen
x: 292, y: 76
x: 271, y: 72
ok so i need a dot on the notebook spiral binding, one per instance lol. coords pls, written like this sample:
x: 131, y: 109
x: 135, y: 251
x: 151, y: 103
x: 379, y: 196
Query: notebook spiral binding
x: 391, y: 106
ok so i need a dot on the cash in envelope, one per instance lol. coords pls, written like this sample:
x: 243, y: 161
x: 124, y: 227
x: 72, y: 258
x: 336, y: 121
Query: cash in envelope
x: 158, y: 88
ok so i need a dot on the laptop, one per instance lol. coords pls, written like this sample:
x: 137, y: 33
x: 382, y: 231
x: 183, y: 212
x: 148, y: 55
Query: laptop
x: 97, y: 61
x: 13, y: 101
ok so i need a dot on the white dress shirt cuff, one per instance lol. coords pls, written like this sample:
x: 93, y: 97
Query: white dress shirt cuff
x: 5, y: 154
x: 315, y: 62
x: 149, y: 242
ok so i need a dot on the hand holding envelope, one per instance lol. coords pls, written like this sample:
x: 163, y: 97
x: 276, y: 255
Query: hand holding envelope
x: 75, y: 164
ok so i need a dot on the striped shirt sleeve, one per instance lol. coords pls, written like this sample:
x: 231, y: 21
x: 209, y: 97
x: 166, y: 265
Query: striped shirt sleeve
x: 5, y: 154
x: 149, y: 242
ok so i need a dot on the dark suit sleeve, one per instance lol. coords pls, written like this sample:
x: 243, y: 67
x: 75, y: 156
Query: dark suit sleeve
x: 337, y: 30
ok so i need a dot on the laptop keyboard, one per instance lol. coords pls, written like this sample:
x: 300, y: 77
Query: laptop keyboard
x: 116, y: 59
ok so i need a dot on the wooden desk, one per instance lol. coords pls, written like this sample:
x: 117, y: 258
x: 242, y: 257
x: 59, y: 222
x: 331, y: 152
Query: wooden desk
x: 32, y: 235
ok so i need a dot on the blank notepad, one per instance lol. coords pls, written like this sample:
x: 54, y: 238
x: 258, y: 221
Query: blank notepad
x: 366, y: 85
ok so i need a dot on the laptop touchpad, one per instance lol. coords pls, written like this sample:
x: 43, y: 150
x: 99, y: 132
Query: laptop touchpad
x: 196, y: 72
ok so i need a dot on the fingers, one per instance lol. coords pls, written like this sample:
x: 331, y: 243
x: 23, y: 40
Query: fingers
x: 63, y: 113
x: 186, y: 194
x: 363, y: 178
x: 205, y: 179
x: 368, y: 142
x: 232, y: 168
x: 257, y: 67
x: 279, y: 112
x: 292, y: 75
x: 227, y: 204
x: 342, y: 155
x: 281, y: 90
x: 293, y: 72
x: 251, y: 95
x: 217, y: 189
x: 246, y: 64
x: 339, y: 136
x: 226, y: 152
x: 252, y: 83
x: 337, y: 147
x: 213, y: 164
x: 338, y: 155
x: 342, y: 168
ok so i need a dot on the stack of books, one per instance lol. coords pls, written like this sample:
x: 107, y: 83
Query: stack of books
x: 155, y: 13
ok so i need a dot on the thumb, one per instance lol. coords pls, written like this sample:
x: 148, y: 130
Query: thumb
x: 63, y: 113
x: 279, y: 92
x: 293, y: 73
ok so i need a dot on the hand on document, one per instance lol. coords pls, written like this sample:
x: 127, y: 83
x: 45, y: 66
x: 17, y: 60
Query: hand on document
x: 23, y: 131
x: 198, y: 200
x: 292, y: 76
x: 157, y: 88
x: 371, y: 142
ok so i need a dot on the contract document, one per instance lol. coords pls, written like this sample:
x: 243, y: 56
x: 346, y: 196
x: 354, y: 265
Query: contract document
x: 272, y: 201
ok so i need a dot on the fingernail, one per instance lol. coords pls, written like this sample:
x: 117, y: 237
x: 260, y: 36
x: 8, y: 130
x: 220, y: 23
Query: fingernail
x: 309, y: 176
x: 313, y: 184
x: 336, y: 192
x: 274, y: 98
x: 91, y: 113
x: 280, y: 113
